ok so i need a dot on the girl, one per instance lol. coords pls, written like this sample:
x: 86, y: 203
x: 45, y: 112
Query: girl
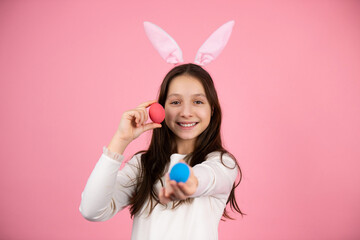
x: 164, y: 209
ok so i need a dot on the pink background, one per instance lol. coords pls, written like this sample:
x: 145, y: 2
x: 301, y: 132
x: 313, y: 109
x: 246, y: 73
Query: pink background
x: 288, y: 81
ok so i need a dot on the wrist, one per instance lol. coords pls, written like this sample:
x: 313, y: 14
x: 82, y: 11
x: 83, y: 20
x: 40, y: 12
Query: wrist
x: 118, y: 144
x: 120, y: 137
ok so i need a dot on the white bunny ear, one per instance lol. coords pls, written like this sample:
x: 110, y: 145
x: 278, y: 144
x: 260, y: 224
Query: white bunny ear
x: 167, y: 47
x: 214, y: 45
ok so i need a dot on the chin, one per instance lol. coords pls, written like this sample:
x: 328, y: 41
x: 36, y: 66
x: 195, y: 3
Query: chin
x: 186, y: 137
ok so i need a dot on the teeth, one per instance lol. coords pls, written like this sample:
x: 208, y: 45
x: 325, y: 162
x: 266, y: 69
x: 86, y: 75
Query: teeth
x: 187, y: 125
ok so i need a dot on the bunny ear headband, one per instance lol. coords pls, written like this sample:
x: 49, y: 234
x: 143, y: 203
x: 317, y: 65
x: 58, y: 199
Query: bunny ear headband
x: 170, y: 51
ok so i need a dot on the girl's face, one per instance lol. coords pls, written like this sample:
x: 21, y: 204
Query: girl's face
x: 187, y: 110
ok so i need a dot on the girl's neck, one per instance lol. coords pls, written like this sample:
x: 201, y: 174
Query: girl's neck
x: 185, y: 146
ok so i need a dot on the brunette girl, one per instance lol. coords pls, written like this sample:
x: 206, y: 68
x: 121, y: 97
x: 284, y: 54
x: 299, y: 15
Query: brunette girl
x: 164, y: 209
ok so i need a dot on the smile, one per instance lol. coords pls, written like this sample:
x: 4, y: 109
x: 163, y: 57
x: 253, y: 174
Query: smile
x: 187, y: 124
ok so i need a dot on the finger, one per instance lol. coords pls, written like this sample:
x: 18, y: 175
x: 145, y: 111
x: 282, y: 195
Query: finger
x: 145, y: 115
x: 190, y: 186
x: 184, y: 189
x: 151, y: 126
x: 134, y: 116
x: 141, y: 114
x: 147, y: 104
x: 162, y: 197
x: 168, y: 192
x: 165, y: 198
x: 138, y: 118
x: 178, y: 193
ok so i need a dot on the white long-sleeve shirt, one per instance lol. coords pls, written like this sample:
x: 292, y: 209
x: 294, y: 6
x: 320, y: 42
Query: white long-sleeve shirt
x: 109, y: 189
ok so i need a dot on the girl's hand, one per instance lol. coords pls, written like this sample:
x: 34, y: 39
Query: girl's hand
x: 178, y: 191
x: 133, y: 123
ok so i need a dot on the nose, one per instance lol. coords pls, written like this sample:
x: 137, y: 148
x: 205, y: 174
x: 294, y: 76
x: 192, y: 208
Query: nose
x: 186, y: 110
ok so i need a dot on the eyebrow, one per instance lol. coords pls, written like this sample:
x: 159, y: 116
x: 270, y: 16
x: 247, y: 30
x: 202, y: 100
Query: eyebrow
x: 194, y: 95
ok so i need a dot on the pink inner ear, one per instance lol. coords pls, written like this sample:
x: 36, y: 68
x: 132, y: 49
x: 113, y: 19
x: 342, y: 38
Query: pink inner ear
x: 167, y: 47
x: 214, y: 45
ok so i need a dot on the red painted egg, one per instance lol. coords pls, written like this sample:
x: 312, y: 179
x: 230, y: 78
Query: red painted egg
x: 156, y: 113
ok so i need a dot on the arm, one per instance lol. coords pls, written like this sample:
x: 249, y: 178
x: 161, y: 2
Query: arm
x: 108, y: 190
x: 215, y: 178
x: 210, y: 178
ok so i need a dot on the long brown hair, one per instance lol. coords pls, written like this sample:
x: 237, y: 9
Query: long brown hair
x: 155, y: 160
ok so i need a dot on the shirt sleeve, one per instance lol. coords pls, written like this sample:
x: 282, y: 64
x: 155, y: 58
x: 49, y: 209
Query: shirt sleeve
x: 215, y: 177
x: 108, y: 189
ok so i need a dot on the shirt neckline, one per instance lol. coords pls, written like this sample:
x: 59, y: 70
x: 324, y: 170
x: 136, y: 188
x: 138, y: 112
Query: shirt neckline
x: 175, y: 158
x: 178, y: 155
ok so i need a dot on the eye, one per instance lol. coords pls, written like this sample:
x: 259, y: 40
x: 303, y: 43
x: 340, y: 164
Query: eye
x: 198, y: 102
x: 175, y: 102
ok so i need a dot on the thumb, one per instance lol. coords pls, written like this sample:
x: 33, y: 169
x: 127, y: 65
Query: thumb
x: 150, y: 126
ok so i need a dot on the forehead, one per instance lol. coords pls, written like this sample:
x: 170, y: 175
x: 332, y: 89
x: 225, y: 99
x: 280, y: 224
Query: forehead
x: 186, y: 85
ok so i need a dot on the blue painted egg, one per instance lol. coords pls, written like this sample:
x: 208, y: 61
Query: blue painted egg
x: 180, y: 172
